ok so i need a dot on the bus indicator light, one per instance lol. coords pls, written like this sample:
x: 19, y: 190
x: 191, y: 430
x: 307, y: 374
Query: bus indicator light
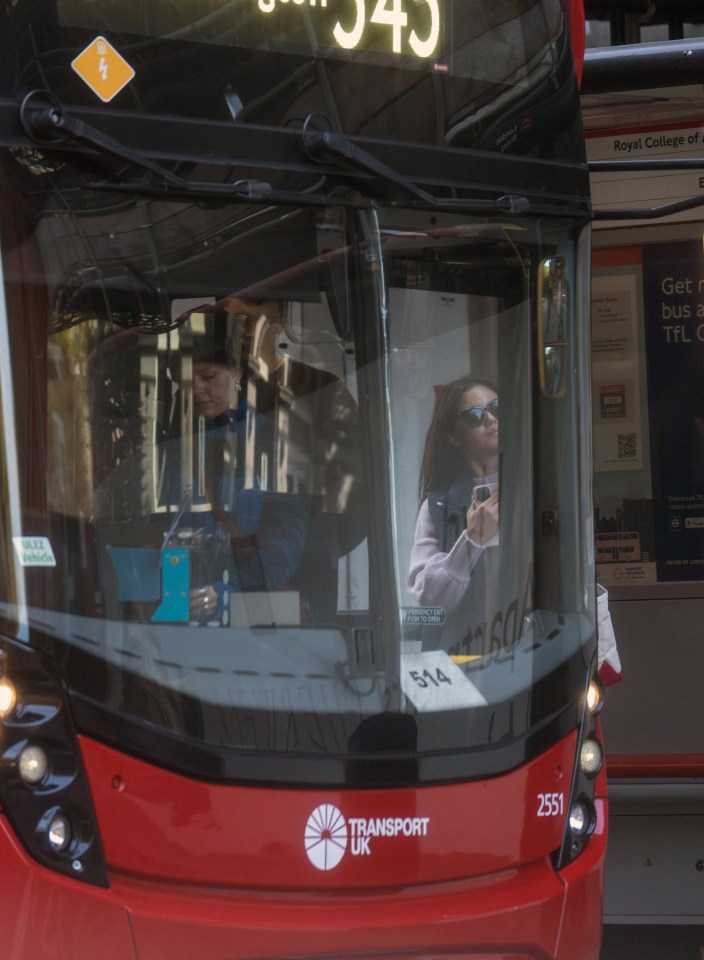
x: 595, y: 697
x: 33, y: 764
x: 591, y: 757
x: 8, y: 697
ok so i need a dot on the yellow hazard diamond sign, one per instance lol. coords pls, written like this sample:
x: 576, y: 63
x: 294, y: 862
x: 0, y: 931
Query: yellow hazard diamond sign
x: 104, y: 70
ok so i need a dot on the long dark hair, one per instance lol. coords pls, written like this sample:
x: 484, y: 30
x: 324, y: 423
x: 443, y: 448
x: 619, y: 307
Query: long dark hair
x: 442, y: 463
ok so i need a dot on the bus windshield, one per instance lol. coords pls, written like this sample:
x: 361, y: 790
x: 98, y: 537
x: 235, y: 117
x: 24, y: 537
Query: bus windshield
x: 276, y: 477
x: 445, y: 72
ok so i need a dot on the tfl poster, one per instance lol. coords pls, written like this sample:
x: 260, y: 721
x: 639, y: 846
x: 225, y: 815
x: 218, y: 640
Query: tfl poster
x: 673, y: 288
x: 623, y: 502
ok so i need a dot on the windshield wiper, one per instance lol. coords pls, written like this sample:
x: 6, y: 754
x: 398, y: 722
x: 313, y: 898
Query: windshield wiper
x: 322, y: 145
x: 45, y: 121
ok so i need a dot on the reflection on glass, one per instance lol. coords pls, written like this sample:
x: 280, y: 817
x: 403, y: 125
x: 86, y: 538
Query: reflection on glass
x: 248, y: 456
x: 458, y: 520
x: 274, y: 523
x: 552, y: 325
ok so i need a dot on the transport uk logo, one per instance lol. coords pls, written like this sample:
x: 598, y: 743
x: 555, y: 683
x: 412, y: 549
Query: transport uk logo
x: 328, y: 834
x: 326, y: 837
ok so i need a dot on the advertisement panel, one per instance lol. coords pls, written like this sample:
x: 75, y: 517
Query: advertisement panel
x: 625, y: 548
x: 648, y: 368
x: 673, y: 297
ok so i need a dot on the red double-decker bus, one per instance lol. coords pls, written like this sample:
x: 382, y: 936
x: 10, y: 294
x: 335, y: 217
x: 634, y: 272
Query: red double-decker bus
x: 297, y: 631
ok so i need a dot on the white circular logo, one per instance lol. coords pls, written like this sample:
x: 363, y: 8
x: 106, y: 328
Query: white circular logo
x: 326, y: 837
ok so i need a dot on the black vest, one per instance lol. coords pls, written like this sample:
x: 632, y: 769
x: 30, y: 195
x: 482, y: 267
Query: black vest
x: 466, y: 628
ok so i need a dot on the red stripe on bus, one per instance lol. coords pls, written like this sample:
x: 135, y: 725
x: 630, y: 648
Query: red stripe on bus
x: 655, y: 765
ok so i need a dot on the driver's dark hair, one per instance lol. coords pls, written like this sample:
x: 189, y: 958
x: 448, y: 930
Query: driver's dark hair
x: 442, y: 463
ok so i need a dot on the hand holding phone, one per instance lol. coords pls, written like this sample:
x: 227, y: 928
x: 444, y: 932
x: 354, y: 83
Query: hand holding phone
x: 483, y: 515
x: 482, y: 492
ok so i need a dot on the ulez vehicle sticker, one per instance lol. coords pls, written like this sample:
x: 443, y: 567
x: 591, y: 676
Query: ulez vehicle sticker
x: 34, y: 551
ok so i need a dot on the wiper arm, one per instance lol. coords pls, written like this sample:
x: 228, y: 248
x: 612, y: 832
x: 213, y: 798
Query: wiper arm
x: 45, y: 121
x: 321, y: 145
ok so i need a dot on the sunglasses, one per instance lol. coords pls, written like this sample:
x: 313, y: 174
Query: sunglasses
x: 476, y: 416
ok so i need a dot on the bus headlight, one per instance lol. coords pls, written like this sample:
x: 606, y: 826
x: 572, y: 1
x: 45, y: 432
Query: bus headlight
x: 595, y: 697
x: 33, y: 765
x: 40, y: 758
x: 59, y: 833
x: 591, y: 757
x: 8, y: 697
x: 581, y: 819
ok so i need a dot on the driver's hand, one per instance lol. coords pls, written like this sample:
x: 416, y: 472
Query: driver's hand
x: 204, y: 603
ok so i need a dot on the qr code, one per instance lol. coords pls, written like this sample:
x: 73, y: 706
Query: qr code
x: 627, y: 446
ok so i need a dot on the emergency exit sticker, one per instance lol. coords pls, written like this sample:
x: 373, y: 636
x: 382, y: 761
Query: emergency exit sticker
x: 103, y: 69
x: 34, y: 551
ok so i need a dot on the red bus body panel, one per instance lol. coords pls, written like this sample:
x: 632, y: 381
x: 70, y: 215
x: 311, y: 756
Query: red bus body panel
x: 211, y: 872
x: 577, y: 35
x: 161, y: 826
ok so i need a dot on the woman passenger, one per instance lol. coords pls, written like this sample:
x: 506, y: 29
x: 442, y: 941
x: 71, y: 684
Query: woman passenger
x: 458, y: 520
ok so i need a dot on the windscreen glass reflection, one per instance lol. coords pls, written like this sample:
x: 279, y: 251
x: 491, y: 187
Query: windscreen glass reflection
x: 282, y: 511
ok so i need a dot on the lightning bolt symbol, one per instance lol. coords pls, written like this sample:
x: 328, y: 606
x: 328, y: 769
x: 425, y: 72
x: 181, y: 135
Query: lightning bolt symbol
x: 103, y: 68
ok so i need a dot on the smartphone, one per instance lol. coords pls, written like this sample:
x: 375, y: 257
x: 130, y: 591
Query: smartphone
x: 482, y: 493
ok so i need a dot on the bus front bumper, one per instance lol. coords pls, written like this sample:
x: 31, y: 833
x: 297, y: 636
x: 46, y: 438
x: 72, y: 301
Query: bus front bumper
x: 530, y: 913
